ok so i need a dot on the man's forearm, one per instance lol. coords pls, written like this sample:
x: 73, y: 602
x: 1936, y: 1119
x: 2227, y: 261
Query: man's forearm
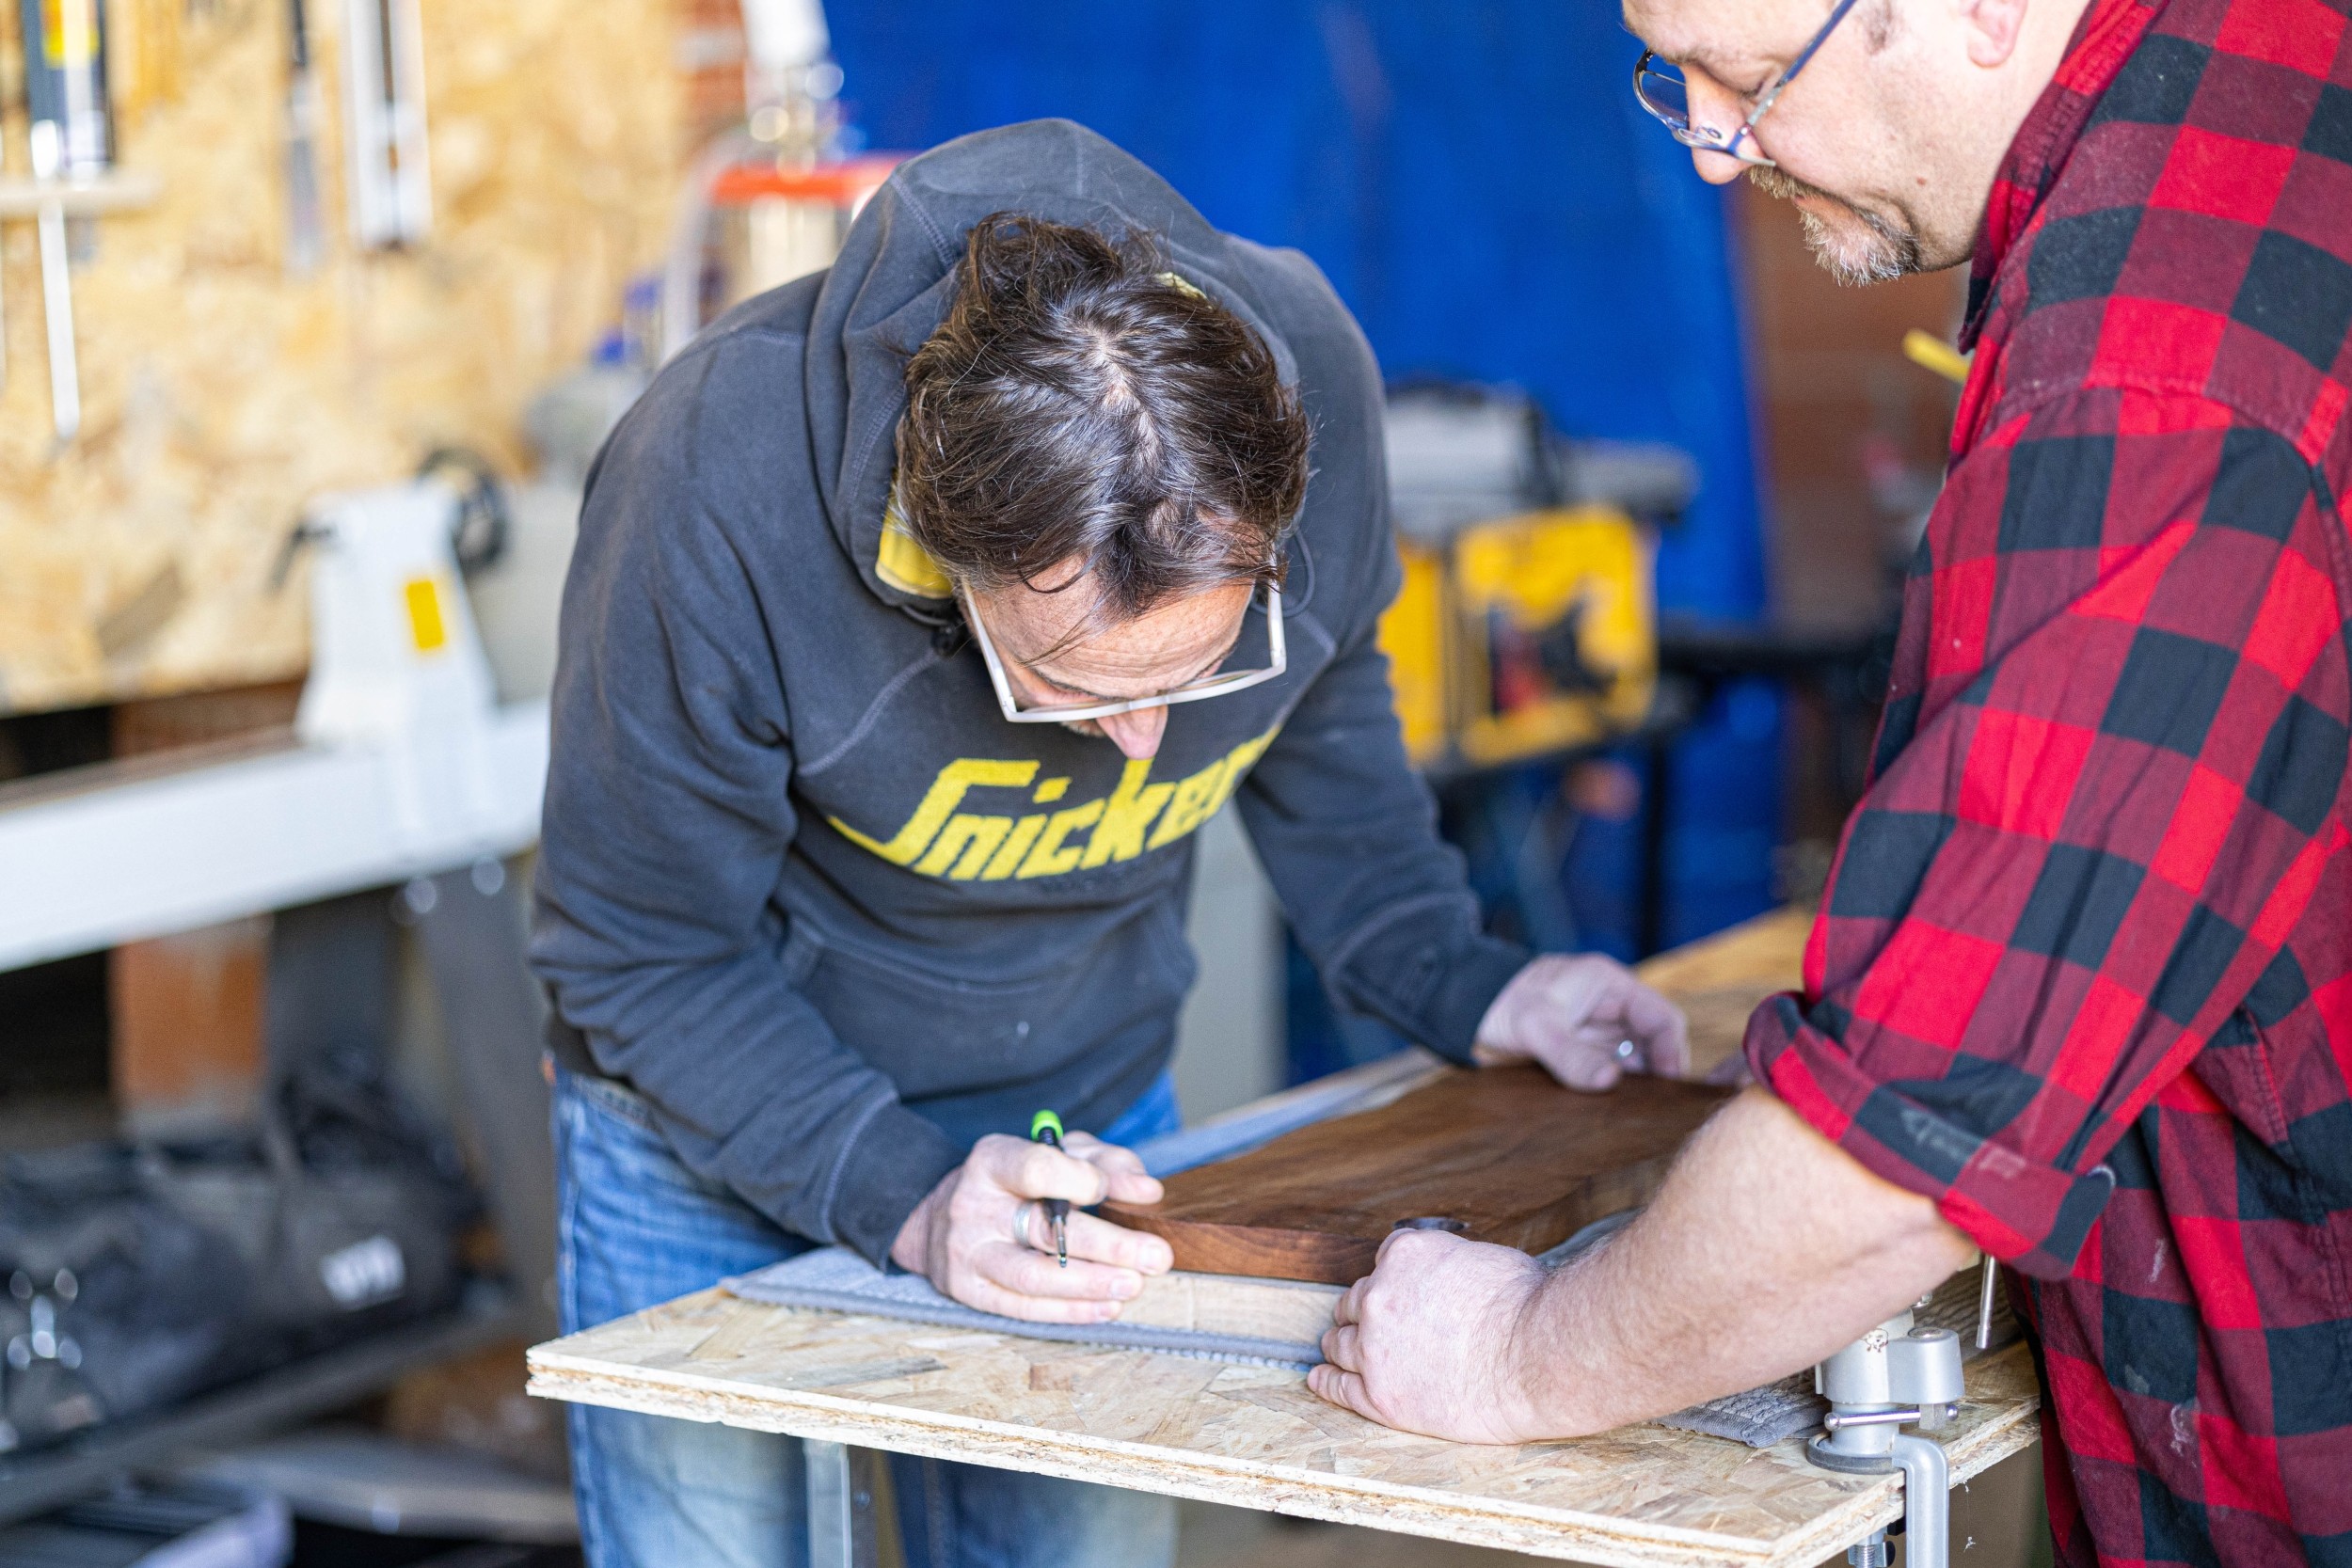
x: 1767, y: 1249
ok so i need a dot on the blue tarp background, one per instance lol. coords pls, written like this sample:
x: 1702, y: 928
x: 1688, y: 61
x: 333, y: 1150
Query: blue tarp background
x: 1480, y: 185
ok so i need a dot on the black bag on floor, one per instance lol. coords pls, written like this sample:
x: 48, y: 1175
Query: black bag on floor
x: 138, y: 1274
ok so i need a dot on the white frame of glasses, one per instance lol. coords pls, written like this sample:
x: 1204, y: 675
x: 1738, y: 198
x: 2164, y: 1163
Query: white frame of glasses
x: 1278, y: 648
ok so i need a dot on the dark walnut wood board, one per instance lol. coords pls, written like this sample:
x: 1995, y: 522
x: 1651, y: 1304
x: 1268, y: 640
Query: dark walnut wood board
x: 1506, y: 1152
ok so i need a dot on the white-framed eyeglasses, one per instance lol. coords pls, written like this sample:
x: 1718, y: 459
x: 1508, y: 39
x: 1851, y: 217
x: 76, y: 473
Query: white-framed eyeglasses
x: 1667, y: 97
x: 1220, y: 685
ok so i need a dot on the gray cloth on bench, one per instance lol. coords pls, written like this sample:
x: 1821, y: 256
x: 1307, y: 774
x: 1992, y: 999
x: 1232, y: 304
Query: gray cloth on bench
x: 835, y: 1279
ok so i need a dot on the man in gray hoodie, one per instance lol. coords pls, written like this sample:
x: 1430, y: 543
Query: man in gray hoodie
x: 923, y: 610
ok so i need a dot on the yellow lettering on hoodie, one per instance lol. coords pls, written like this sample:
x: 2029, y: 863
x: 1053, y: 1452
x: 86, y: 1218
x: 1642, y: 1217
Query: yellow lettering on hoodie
x: 1199, y: 796
x: 1007, y: 859
x: 1126, y: 815
x: 939, y: 803
x: 1237, y: 766
x: 963, y: 845
x: 939, y: 840
x: 1050, y: 859
x: 1196, y: 798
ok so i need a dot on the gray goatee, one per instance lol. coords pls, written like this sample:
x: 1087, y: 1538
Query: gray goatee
x: 1890, y: 253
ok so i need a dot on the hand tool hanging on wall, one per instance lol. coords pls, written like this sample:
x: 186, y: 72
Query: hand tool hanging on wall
x: 306, y: 236
x: 65, y: 81
x: 391, y: 190
x: 71, y: 137
x: 56, y: 293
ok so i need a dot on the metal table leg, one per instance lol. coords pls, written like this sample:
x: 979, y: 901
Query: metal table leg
x: 841, y: 1506
x: 472, y: 924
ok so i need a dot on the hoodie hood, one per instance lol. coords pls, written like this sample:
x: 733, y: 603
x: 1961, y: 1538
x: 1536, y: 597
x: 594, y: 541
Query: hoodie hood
x: 803, y: 888
x: 895, y: 279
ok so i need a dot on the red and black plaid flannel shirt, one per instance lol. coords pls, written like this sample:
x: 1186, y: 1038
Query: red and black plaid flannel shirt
x: 2084, y: 971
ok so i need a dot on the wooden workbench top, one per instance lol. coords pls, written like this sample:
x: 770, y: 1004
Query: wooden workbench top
x: 1255, y: 1437
x: 1248, y: 1436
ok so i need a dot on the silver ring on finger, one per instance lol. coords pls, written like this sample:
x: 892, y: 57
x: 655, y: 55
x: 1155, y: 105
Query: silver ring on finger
x: 1021, y: 1225
x: 1625, y: 1050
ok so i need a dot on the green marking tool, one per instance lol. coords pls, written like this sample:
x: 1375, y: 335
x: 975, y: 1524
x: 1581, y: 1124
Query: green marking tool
x: 1045, y: 1128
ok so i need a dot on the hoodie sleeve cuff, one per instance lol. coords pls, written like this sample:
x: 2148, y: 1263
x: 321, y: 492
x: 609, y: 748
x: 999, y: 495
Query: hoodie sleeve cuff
x: 1435, y: 985
x: 1465, y: 990
x: 888, y: 1169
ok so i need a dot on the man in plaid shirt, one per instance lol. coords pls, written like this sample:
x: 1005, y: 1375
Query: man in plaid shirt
x: 2081, y: 990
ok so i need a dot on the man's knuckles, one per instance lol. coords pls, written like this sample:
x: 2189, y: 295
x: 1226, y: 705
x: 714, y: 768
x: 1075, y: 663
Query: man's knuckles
x: 1581, y: 1071
x: 1406, y: 1251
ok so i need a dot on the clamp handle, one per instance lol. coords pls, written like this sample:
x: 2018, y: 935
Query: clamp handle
x: 1985, y: 1300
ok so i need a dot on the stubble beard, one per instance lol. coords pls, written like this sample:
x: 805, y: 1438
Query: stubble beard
x: 1884, y: 252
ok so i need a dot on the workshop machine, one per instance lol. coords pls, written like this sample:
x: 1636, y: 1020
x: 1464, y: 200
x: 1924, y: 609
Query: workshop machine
x: 1522, y: 636
x: 1527, y: 623
x: 404, y: 771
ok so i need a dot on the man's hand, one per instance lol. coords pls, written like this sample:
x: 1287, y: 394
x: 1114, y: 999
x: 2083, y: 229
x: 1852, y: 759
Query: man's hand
x: 967, y: 1235
x: 1588, y: 1021
x: 1426, y: 1343
x: 1768, y: 1249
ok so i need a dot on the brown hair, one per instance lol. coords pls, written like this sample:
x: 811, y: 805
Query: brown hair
x: 1083, y: 402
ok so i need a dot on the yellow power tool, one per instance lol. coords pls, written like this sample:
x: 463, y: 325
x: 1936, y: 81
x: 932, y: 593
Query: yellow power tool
x: 1524, y: 636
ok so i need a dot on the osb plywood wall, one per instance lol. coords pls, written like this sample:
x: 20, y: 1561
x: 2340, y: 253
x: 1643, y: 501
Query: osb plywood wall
x: 219, y: 393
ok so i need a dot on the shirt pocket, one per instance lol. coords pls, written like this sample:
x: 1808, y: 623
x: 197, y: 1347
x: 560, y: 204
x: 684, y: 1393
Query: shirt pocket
x: 2236, y: 1067
x: 2275, y: 1176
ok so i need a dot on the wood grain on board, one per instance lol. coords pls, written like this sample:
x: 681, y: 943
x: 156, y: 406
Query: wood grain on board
x: 1505, y: 1154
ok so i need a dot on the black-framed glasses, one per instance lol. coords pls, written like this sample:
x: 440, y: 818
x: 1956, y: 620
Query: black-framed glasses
x: 1667, y: 97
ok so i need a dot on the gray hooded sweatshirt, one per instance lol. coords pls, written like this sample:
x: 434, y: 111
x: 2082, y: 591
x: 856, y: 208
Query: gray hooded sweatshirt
x: 802, y: 886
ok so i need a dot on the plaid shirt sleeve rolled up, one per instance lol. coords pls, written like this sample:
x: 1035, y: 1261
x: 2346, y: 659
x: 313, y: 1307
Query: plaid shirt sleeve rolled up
x: 2109, y: 804
x: 2083, y: 971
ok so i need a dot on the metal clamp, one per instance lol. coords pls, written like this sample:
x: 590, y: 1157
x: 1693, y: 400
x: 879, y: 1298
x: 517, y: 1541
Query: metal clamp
x: 1894, y: 1376
x: 1835, y: 1421
x: 1985, y: 1300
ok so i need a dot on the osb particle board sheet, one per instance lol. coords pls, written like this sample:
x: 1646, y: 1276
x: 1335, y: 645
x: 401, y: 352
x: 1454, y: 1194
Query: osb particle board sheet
x: 1248, y: 1436
x: 218, y: 394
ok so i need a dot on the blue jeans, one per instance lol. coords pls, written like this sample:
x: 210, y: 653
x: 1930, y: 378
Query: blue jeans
x: 635, y: 1229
